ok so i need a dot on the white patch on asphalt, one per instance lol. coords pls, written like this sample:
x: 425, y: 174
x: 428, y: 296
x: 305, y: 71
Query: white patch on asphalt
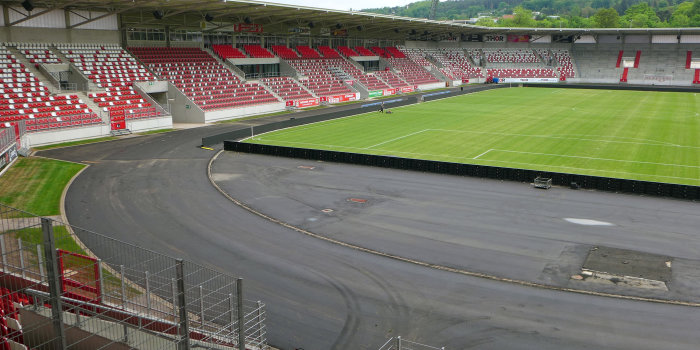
x: 225, y: 176
x: 588, y: 222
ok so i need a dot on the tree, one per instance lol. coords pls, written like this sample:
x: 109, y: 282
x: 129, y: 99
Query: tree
x: 641, y: 15
x: 486, y: 22
x: 522, y: 17
x: 606, y: 18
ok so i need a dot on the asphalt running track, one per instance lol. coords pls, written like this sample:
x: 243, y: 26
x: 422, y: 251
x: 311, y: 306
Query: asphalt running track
x: 154, y: 191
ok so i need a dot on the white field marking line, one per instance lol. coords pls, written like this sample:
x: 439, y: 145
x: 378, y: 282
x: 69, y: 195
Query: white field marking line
x: 309, y: 126
x: 477, y: 157
x: 596, y: 158
x: 368, y: 113
x: 398, y: 138
x: 629, y: 138
x: 498, y: 161
x: 562, y: 138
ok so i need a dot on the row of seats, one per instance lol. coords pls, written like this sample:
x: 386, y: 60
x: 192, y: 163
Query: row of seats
x: 307, y: 52
x: 318, y: 76
x: 411, y: 68
x: 24, y: 97
x: 455, y: 64
x: 286, y: 88
x: 114, y: 70
x: 565, y: 65
x: 284, y: 52
x: 11, y: 332
x: 521, y: 73
x: 257, y: 51
x: 204, y: 80
x: 227, y: 51
x: 510, y: 56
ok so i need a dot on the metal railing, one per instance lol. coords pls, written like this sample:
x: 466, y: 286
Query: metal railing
x: 63, y: 287
x: 398, y: 343
x: 7, y: 138
x: 262, y: 75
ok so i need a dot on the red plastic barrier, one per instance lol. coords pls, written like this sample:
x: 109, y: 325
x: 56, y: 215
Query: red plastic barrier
x: 623, y: 79
x: 619, y: 59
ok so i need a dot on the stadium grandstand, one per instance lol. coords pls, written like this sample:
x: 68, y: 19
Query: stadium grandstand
x: 122, y: 67
x: 82, y: 69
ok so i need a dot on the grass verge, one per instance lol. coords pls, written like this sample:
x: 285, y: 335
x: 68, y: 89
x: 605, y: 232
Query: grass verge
x: 35, y: 184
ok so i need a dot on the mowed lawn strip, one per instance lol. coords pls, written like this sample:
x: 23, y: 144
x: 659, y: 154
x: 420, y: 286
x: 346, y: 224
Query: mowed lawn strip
x: 642, y: 135
x: 35, y: 184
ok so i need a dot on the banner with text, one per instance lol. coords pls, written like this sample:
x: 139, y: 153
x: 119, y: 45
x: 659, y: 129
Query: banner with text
x: 513, y: 38
x: 494, y: 38
x: 248, y: 28
x: 307, y: 102
x: 528, y: 80
x: 376, y: 93
x: 339, y: 98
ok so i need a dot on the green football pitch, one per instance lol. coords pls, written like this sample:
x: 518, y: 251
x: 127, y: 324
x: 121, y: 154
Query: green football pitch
x: 651, y: 136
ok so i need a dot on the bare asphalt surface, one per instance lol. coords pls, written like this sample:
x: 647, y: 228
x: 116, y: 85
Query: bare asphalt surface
x: 153, y: 191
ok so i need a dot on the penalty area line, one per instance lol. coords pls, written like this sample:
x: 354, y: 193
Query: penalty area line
x: 479, y: 156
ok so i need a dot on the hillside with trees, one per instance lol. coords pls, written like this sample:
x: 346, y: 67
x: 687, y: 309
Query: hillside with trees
x: 560, y: 13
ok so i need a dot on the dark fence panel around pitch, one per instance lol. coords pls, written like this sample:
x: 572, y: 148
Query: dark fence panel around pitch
x: 498, y: 173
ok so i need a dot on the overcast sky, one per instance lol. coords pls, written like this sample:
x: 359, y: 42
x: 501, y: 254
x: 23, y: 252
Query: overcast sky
x: 346, y: 5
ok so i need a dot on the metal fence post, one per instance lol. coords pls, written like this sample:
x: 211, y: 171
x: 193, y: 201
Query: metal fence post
x: 148, y: 295
x: 100, y: 282
x: 260, y: 335
x: 398, y: 343
x: 53, y: 276
x: 184, y: 343
x: 241, y: 314
x: 21, y: 258
x: 3, y: 251
x: 123, y: 285
x: 201, y: 306
x: 233, y: 316
x: 40, y: 260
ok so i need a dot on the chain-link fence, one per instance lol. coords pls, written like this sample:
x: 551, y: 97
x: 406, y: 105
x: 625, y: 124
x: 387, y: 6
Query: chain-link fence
x: 63, y: 287
x: 398, y: 343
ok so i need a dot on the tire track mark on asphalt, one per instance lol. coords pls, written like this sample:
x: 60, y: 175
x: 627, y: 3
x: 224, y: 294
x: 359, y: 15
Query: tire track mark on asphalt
x: 436, y: 266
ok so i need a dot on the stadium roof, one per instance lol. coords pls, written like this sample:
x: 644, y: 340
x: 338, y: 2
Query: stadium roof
x: 278, y: 18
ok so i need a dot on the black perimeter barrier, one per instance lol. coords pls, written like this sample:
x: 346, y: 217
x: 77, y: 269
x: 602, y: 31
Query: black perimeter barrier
x: 608, y: 184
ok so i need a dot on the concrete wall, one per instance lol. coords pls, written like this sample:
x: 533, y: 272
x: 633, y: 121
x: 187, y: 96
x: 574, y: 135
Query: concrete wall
x: 234, y: 113
x: 68, y: 134
x: 431, y: 86
x: 250, y: 61
x: 137, y: 125
x: 80, y: 80
x: 151, y: 87
x: 182, y: 108
x: 58, y: 35
x: 287, y: 70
